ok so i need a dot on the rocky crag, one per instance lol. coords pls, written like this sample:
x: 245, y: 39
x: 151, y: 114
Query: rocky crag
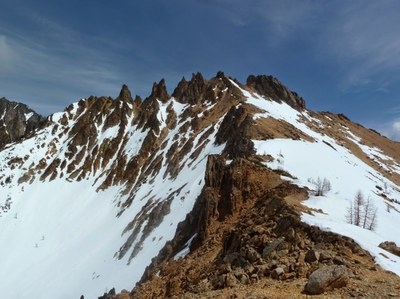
x: 247, y: 241
x: 195, y: 201
x: 17, y: 121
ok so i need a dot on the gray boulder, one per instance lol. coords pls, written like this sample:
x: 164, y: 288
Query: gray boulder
x: 326, y: 278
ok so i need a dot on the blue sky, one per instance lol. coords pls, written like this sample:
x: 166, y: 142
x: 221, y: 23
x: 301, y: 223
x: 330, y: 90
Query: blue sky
x: 341, y: 56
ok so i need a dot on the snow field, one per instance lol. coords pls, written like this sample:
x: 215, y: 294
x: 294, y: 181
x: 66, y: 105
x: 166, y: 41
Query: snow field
x: 308, y: 161
x: 60, y: 238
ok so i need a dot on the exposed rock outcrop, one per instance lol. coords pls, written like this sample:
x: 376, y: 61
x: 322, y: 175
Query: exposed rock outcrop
x: 159, y: 91
x: 236, y: 132
x: 191, y: 92
x: 125, y: 94
x: 244, y: 231
x: 270, y: 87
x: 17, y: 121
x: 391, y: 247
x: 244, y: 234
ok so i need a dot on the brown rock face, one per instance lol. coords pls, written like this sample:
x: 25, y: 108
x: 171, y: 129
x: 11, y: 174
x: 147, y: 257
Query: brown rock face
x: 125, y: 94
x: 235, y: 131
x: 17, y: 121
x: 190, y: 92
x: 198, y: 91
x: 270, y: 87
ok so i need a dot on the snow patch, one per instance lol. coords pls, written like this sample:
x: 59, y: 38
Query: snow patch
x: 28, y: 115
x: 186, y: 250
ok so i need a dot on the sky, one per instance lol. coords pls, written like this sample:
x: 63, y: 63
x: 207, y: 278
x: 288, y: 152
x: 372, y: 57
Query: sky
x: 340, y: 56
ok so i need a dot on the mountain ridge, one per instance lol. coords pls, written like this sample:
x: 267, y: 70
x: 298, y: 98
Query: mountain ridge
x: 147, y: 165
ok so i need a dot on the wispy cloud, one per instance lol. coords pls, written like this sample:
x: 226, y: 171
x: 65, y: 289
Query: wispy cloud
x: 362, y: 37
x: 281, y: 19
x: 57, y: 59
x: 393, y: 110
x: 7, y: 56
x: 54, y: 64
x: 359, y: 39
x: 357, y: 42
x: 286, y: 18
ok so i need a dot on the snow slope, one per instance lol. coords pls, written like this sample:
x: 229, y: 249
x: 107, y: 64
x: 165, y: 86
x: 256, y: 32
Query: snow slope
x: 326, y: 158
x: 60, y: 238
x: 76, y: 218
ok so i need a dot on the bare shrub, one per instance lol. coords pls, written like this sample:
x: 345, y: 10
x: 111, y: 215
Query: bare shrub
x: 321, y: 186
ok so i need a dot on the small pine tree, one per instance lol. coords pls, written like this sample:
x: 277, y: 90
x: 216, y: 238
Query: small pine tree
x: 350, y: 214
x: 362, y: 212
x: 358, y: 204
x: 373, y: 220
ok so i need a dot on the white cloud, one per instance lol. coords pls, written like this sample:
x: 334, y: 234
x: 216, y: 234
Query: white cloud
x: 396, y: 127
x: 391, y: 129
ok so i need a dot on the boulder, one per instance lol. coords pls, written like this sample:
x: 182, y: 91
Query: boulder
x: 277, y: 272
x: 391, y: 247
x: 326, y: 278
x: 312, y: 256
x: 231, y: 280
x: 274, y: 245
x: 252, y: 255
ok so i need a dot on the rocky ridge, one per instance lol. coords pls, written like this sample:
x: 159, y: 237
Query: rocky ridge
x: 247, y: 241
x: 188, y: 161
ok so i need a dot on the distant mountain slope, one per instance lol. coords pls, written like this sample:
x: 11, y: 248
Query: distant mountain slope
x: 89, y: 200
x: 17, y: 121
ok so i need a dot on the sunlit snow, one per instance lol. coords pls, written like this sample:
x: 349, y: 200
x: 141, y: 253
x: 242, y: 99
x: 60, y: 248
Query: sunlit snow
x: 348, y: 174
x: 59, y: 238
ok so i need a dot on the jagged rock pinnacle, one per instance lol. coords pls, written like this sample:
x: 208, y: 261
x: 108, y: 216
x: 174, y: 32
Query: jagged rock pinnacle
x: 190, y: 91
x: 159, y: 91
x: 220, y: 74
x: 138, y: 100
x: 125, y: 94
